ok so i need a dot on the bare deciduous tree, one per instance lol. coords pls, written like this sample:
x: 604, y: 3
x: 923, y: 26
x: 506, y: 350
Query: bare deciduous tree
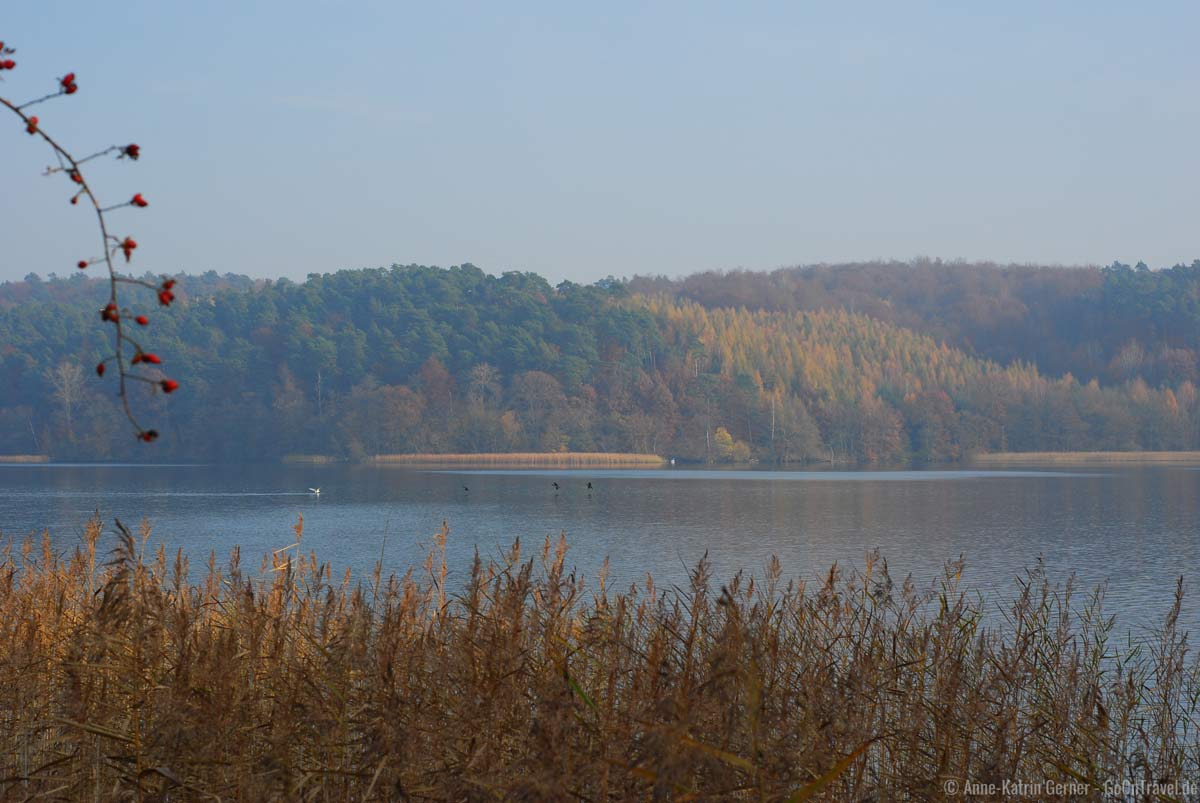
x: 485, y: 384
x: 67, y: 379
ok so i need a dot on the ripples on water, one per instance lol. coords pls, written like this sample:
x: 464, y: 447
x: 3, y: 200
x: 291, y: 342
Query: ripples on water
x: 1134, y: 528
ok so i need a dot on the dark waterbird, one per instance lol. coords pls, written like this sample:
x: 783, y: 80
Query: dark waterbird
x: 555, y: 484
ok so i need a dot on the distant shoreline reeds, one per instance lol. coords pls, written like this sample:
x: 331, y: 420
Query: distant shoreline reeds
x: 595, y: 459
x: 1083, y: 458
x: 24, y: 458
x: 123, y: 678
x: 311, y: 459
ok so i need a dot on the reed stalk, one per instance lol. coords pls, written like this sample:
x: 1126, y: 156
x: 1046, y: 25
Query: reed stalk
x: 121, y: 677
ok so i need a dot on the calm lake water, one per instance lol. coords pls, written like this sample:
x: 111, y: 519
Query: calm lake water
x: 1136, y: 529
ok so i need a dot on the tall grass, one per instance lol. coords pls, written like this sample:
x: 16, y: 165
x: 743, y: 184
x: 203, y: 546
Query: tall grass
x: 592, y: 459
x: 122, y: 678
x: 311, y: 459
x: 1083, y: 458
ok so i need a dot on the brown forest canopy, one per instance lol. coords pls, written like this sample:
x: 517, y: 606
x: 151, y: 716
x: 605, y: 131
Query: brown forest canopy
x: 1086, y: 321
x: 870, y: 363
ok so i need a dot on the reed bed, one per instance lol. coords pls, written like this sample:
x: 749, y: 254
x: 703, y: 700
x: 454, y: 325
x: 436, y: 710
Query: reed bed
x: 1085, y: 458
x: 310, y: 459
x: 122, y: 679
x: 573, y: 459
x: 24, y: 458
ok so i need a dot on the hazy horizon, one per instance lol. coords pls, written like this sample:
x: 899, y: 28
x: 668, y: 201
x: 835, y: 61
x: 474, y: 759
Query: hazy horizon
x: 286, y: 139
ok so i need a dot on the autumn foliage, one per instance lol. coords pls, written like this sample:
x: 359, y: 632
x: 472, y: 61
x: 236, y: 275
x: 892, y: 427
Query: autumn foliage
x: 412, y: 359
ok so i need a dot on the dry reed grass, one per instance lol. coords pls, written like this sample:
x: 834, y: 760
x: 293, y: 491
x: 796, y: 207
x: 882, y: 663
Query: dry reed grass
x: 124, y: 679
x: 591, y: 459
x: 24, y: 458
x: 310, y: 459
x: 1085, y: 458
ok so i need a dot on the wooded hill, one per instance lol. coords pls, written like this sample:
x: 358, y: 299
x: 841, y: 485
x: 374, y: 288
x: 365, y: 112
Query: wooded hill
x: 1111, y: 324
x: 797, y: 365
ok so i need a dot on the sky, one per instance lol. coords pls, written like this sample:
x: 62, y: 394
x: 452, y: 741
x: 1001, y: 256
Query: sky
x: 586, y: 140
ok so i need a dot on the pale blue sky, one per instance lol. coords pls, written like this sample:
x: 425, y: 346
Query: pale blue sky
x: 580, y: 140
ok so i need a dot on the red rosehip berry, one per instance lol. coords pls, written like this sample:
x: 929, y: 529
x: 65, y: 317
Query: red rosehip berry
x: 169, y: 385
x: 148, y: 435
x: 82, y: 264
x: 127, y: 246
x: 74, y: 174
x: 100, y: 369
x: 165, y: 297
x: 168, y: 284
x: 131, y: 150
x: 139, y: 201
x: 142, y: 320
x: 151, y: 358
x: 31, y: 126
x: 8, y: 64
x: 109, y: 313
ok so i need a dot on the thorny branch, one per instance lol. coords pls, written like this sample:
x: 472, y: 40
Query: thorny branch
x: 110, y: 246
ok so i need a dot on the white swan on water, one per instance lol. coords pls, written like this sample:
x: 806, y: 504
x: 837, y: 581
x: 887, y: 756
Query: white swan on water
x: 316, y: 491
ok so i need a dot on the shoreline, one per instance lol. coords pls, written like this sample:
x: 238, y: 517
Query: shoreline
x: 631, y: 460
x: 576, y: 459
x: 998, y: 459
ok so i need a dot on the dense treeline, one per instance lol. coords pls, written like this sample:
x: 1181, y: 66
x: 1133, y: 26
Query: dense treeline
x: 1111, y: 324
x: 419, y: 359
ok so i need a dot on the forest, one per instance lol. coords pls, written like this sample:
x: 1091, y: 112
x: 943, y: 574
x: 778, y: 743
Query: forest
x: 1111, y: 324
x: 874, y: 363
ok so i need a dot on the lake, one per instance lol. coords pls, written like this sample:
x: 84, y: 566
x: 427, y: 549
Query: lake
x: 1135, y: 529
